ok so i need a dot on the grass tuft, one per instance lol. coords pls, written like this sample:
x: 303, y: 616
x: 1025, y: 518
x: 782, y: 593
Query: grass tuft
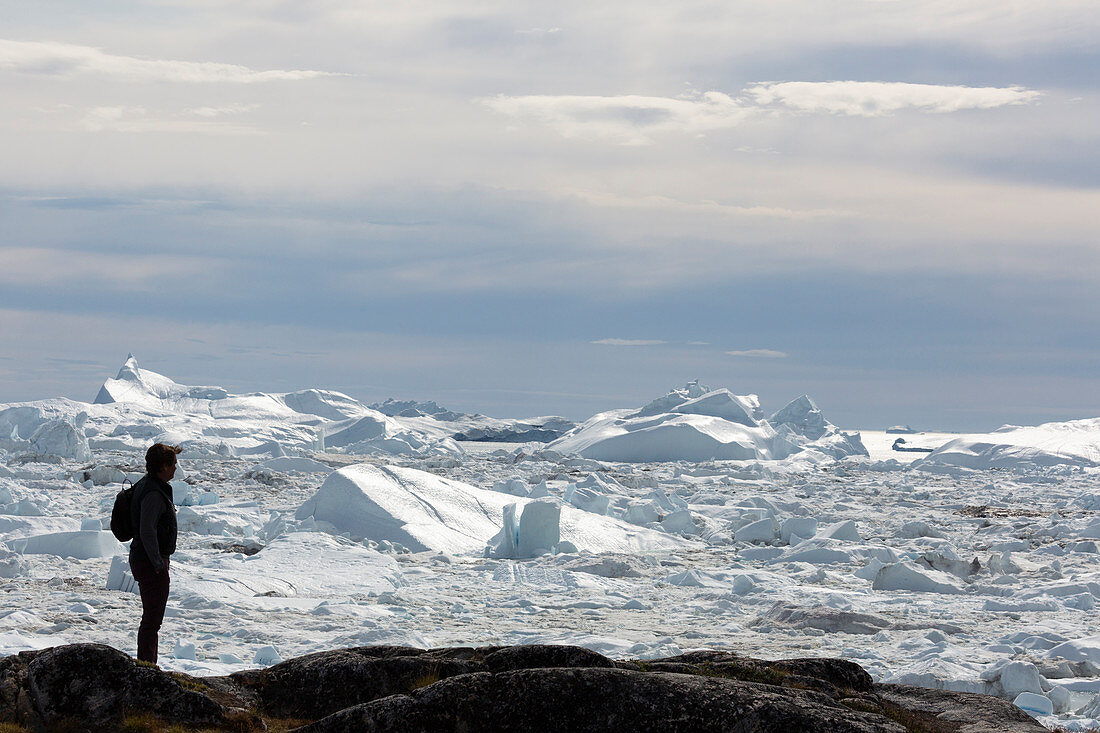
x: 428, y: 678
x: 190, y: 683
x: 764, y: 676
x: 914, y: 722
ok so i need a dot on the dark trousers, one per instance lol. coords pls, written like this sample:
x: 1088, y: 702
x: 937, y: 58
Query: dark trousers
x: 154, y: 597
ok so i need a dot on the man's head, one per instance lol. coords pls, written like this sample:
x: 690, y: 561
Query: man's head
x: 160, y: 461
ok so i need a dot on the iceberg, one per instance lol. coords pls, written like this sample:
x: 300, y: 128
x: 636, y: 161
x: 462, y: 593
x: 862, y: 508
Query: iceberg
x: 421, y: 511
x: 696, y: 423
x: 1072, y: 443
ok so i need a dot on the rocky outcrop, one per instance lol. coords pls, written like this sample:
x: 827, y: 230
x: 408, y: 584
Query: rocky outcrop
x: 963, y: 712
x: 546, y: 688
x: 95, y: 687
x: 602, y: 699
x: 316, y: 685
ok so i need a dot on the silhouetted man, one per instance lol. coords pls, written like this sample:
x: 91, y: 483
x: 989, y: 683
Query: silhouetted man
x: 154, y: 520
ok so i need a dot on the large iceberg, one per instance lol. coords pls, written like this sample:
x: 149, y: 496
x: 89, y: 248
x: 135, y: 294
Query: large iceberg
x: 1074, y: 443
x: 421, y: 511
x: 696, y: 423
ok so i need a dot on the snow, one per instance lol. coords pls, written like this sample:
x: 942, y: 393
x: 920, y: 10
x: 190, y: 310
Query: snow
x: 924, y: 571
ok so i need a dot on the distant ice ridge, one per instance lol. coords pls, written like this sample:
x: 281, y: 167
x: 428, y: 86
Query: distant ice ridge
x: 697, y: 423
x: 430, y: 417
x: 139, y: 407
x: 1072, y: 443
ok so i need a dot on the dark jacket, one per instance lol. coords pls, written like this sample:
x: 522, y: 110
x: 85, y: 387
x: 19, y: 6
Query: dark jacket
x: 154, y: 518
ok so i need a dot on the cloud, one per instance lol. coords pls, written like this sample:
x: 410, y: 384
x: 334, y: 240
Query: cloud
x: 628, y: 342
x: 627, y: 119
x: 760, y: 353
x: 69, y: 60
x: 875, y: 99
x: 634, y: 119
x: 231, y: 109
x: 696, y: 208
x: 139, y: 119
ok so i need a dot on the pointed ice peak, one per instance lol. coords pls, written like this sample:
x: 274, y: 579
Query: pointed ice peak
x: 803, y: 416
x: 134, y: 384
x: 130, y: 370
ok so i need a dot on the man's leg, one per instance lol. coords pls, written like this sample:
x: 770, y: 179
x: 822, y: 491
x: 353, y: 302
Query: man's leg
x: 153, y: 587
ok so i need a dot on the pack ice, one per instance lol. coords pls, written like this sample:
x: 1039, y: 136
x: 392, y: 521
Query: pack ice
x: 312, y: 521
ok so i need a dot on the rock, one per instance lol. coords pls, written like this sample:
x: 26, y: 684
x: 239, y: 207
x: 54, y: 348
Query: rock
x: 539, y: 687
x: 544, y: 655
x: 318, y: 684
x: 599, y: 699
x: 958, y: 712
x: 97, y: 686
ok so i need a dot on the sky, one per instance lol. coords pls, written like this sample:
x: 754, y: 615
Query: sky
x: 521, y: 208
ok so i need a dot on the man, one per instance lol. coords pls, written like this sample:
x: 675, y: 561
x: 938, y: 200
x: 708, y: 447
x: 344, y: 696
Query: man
x: 154, y: 521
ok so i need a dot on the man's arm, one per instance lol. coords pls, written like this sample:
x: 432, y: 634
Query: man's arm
x: 152, y: 507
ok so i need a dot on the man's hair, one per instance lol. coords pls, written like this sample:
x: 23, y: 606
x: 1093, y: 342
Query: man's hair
x: 160, y: 456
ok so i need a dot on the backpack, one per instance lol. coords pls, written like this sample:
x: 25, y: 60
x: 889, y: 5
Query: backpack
x: 122, y: 522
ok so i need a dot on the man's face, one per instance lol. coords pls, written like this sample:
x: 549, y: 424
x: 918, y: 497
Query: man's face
x: 167, y: 472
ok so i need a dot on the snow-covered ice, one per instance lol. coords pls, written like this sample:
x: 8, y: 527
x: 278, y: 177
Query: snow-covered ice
x: 311, y: 521
x: 696, y: 423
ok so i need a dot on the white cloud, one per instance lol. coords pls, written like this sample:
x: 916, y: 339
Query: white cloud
x: 629, y: 119
x: 68, y: 60
x: 874, y: 99
x: 138, y: 119
x: 760, y: 353
x: 656, y: 203
x: 232, y: 109
x: 634, y: 119
x: 628, y: 342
